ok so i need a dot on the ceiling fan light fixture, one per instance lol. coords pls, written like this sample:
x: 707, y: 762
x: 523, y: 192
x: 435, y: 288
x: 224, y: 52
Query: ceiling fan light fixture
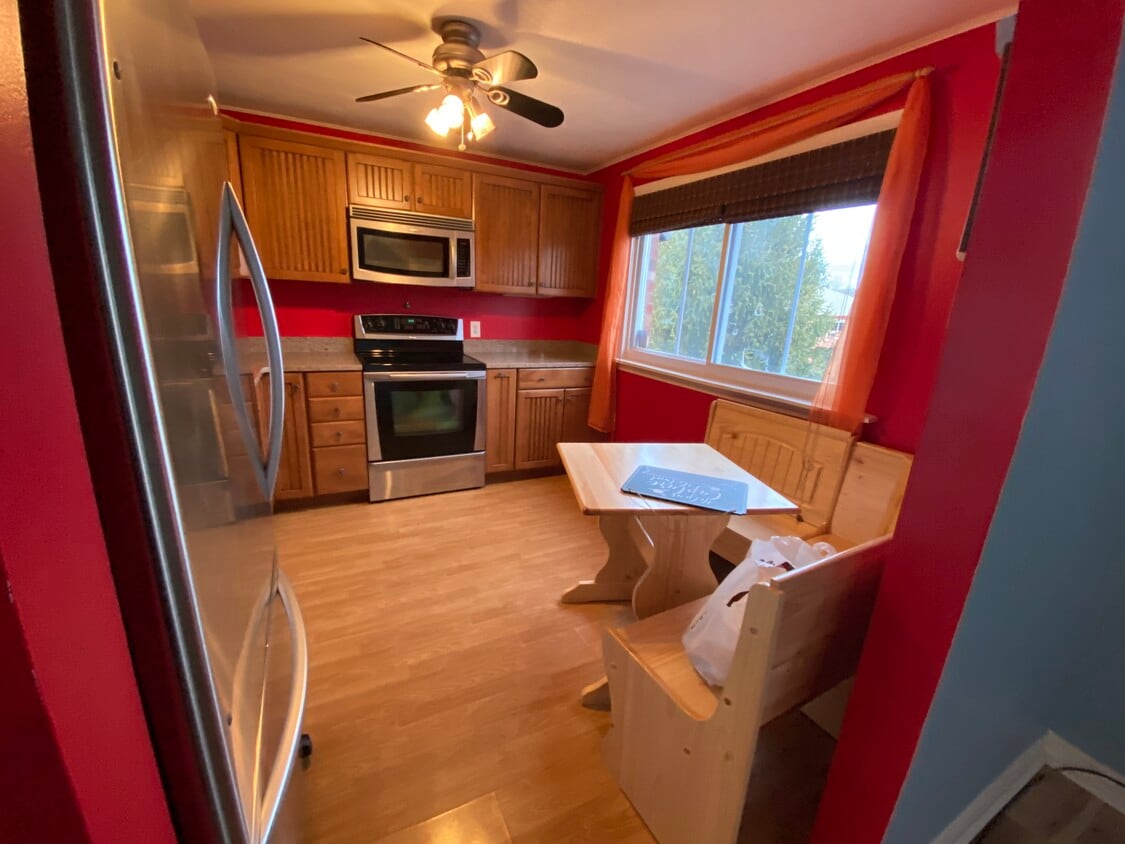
x: 437, y: 123
x: 452, y: 111
x: 482, y: 124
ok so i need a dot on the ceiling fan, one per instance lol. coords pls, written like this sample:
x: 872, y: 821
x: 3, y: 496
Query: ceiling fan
x: 465, y: 70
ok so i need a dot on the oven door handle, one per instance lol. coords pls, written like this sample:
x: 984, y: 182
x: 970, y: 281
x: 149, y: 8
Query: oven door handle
x: 425, y: 376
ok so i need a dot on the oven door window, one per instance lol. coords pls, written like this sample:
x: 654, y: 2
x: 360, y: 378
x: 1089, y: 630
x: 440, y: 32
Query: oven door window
x: 426, y: 418
x: 414, y: 255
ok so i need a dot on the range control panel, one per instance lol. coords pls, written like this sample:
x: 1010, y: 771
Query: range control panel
x: 368, y: 325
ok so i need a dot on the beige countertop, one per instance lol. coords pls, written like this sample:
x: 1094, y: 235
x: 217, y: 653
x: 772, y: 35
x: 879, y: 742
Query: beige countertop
x: 334, y: 354
x: 531, y: 354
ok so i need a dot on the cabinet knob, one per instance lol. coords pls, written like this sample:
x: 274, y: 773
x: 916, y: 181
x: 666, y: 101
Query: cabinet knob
x: 334, y: 386
x: 336, y: 412
x: 338, y: 435
x: 340, y: 473
x: 344, y: 271
x: 406, y: 199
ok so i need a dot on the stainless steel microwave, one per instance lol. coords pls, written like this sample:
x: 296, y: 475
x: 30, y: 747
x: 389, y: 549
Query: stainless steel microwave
x: 400, y: 247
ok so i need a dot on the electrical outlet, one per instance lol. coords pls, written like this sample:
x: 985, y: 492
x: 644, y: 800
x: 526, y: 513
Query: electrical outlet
x: 474, y: 328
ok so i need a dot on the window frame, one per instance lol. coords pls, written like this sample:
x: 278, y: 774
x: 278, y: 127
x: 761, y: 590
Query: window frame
x: 766, y: 388
x: 710, y: 376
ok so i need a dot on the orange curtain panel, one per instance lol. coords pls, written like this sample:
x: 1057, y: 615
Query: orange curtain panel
x: 735, y: 147
x: 841, y: 400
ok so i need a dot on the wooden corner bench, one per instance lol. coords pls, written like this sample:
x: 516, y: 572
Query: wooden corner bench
x: 682, y: 750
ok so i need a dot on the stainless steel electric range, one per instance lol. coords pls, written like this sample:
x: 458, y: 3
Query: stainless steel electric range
x: 425, y: 405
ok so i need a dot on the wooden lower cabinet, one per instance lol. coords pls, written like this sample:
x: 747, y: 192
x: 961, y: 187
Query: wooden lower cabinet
x: 324, y: 449
x: 539, y: 425
x: 500, y: 442
x: 576, y: 410
x: 340, y: 468
x: 294, y: 477
x: 551, y: 407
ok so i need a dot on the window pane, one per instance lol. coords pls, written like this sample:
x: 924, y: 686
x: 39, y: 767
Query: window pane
x: 789, y: 289
x: 677, y: 273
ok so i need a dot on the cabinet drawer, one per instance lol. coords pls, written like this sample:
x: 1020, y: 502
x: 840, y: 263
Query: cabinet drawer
x: 340, y: 468
x: 335, y: 409
x: 338, y: 433
x: 536, y: 379
x: 334, y: 383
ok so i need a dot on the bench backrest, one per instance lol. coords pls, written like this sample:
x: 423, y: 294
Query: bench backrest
x: 871, y: 494
x: 803, y: 461
x: 821, y: 613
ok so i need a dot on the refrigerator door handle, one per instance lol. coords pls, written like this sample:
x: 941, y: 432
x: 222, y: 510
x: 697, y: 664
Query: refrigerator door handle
x: 231, y: 219
x: 291, y: 735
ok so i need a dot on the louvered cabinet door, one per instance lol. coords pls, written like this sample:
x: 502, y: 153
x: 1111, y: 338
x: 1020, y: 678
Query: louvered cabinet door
x: 443, y: 190
x: 506, y: 212
x: 294, y: 476
x: 295, y: 197
x: 500, y: 441
x: 569, y: 221
x: 539, y: 424
x: 380, y: 181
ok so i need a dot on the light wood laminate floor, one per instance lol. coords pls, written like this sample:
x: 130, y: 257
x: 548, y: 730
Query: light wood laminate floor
x: 444, y: 678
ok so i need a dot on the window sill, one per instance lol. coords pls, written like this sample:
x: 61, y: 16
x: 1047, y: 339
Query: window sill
x: 766, y: 401
x: 754, y: 398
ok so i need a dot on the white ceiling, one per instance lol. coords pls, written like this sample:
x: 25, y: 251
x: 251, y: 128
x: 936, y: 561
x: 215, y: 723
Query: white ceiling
x: 626, y: 73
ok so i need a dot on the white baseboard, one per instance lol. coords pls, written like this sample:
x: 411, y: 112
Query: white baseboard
x: 1061, y: 753
x: 995, y: 797
x: 1052, y: 751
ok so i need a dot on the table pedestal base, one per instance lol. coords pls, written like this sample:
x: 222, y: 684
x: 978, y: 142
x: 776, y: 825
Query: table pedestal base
x: 658, y: 560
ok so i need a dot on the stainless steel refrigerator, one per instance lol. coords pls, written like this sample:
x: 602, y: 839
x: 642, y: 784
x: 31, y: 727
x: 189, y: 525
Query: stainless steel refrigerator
x: 144, y: 232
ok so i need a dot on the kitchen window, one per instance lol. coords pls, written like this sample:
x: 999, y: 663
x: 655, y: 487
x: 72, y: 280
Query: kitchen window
x: 757, y: 302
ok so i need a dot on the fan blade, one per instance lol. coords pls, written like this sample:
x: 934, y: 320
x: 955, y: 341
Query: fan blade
x: 505, y: 67
x: 410, y: 59
x: 416, y: 89
x: 534, y: 110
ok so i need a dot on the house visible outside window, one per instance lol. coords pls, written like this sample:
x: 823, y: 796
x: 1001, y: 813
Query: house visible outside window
x: 756, y: 304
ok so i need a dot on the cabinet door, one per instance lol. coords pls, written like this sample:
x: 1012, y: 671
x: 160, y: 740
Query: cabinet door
x: 507, y: 223
x: 569, y: 221
x: 295, y: 203
x: 443, y: 190
x: 539, y: 422
x: 294, y: 478
x: 576, y: 410
x: 500, y: 442
x: 379, y: 181
x: 234, y: 171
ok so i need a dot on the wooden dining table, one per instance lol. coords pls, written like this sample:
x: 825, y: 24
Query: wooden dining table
x: 658, y: 550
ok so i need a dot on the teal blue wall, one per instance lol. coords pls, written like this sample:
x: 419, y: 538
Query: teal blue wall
x: 1041, y: 643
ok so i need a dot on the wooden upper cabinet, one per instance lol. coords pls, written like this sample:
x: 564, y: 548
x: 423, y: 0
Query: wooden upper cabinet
x: 569, y: 219
x: 295, y: 197
x: 380, y: 181
x: 443, y: 190
x: 507, y: 231
x: 234, y: 171
x: 383, y: 181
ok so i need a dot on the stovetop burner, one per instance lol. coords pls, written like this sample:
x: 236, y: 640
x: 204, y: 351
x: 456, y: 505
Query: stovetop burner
x: 411, y: 342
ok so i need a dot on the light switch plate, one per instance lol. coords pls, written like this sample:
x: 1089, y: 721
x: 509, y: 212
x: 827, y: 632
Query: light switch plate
x: 474, y: 328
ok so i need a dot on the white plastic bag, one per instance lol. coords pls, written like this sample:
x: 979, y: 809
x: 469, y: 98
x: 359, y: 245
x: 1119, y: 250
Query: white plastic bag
x: 712, y: 636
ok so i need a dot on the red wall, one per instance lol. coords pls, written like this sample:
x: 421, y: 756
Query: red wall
x: 70, y: 709
x: 1062, y: 65
x: 321, y: 309
x: 964, y: 81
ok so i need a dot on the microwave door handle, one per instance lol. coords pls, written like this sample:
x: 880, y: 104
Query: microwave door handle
x: 231, y: 219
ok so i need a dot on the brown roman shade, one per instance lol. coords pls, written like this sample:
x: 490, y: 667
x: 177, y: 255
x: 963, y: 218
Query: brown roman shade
x: 837, y: 176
